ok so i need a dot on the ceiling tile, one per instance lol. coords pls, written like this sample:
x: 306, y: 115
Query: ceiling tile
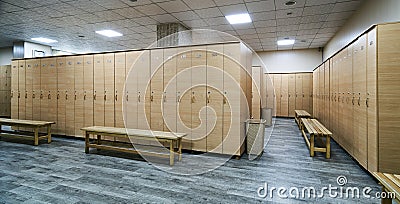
x: 129, y: 12
x: 217, y: 21
x: 310, y: 26
x: 266, y: 30
x: 174, y: 6
x: 287, y: 21
x: 346, y: 6
x: 164, y: 18
x: 280, y: 4
x: 265, y: 24
x: 247, y: 31
x: 318, y: 2
x: 260, y: 6
x: 296, y: 12
x: 318, y: 10
x: 186, y: 15
x: 313, y: 19
x: 208, y: 13
x: 267, y: 35
x: 339, y: 16
x: 225, y: 2
x: 200, y: 4
x: 262, y: 16
x: 114, y: 4
x: 150, y: 9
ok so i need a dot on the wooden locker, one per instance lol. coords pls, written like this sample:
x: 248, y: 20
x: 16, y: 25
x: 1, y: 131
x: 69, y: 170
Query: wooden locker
x: 359, y: 90
x: 157, y: 88
x: 285, y: 95
x: 278, y: 94
x: 88, y: 91
x: 256, y: 96
x: 291, y: 94
x: 78, y: 96
x: 61, y: 94
x: 21, y: 91
x: 306, y: 95
x: 270, y: 91
x: 326, y: 95
x: 51, y: 94
x: 109, y: 89
x: 28, y: 87
x: 69, y: 96
x: 199, y: 95
x: 142, y: 68
x: 183, y: 88
x: 314, y: 88
x: 347, y: 114
x: 300, y: 92
x: 371, y: 101
x: 36, y: 90
x: 98, y: 84
x: 332, y: 102
x: 130, y: 90
x: 44, y: 76
x: 215, y: 97
x: 14, y: 89
x: 119, y: 87
x: 169, y: 90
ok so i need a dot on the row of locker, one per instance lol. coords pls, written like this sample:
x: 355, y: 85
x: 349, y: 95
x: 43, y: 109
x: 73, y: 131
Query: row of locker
x: 5, y: 90
x: 201, y: 90
x: 289, y: 92
x: 356, y: 97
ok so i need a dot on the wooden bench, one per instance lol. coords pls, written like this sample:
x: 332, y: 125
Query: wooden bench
x: 316, y: 130
x: 171, y: 138
x: 390, y: 185
x: 298, y: 114
x: 28, y: 124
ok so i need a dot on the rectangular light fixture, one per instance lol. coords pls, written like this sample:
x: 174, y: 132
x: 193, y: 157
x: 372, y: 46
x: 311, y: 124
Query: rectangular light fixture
x: 238, y: 18
x: 44, y: 40
x: 109, y: 33
x: 285, y: 42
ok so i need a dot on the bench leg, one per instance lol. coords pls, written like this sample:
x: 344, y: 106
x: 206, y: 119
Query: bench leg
x: 49, y: 134
x: 180, y: 149
x: 171, y: 152
x: 312, y: 137
x: 36, y: 136
x: 385, y: 200
x: 86, y: 142
x: 99, y: 139
x: 328, y: 147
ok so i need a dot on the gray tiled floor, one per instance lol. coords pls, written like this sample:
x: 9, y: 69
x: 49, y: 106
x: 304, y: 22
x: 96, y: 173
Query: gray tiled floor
x: 60, y: 172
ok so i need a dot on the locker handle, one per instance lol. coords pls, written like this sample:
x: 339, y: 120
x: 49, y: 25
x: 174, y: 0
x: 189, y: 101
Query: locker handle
x: 165, y: 97
x: 41, y: 95
x: 193, y: 99
x: 94, y: 96
x: 303, y: 95
x: 26, y: 94
x: 151, y: 97
x: 58, y: 96
x: 127, y: 97
x: 116, y: 97
x: 66, y: 96
x: 352, y: 101
x: 84, y: 97
x: 105, y: 97
x: 139, y: 98
x: 49, y: 96
x: 12, y: 94
x: 359, y: 99
x: 33, y: 95
x: 224, y: 100
x: 75, y: 97
x: 366, y: 102
x: 289, y: 95
x: 19, y: 94
x: 208, y: 98
x: 178, y: 98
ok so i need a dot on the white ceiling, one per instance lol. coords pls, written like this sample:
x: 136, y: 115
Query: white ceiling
x: 311, y: 23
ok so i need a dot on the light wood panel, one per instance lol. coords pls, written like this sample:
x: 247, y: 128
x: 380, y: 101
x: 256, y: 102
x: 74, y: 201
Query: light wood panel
x: 300, y: 92
x: 98, y: 95
x: 143, y: 70
x: 70, y: 96
x: 78, y: 95
x: 109, y: 117
x: 257, y: 73
x: 169, y: 90
x: 270, y: 91
x: 61, y: 95
x: 28, y: 87
x: 278, y: 94
x: 284, y: 95
x: 119, y: 79
x: 131, y: 90
x: 88, y: 90
x: 157, y: 88
x: 21, y: 90
x: 292, y: 94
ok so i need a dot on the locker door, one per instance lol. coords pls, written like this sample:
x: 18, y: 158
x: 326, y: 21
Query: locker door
x: 69, y: 97
x: 156, y: 93
x: 326, y: 94
x: 270, y: 91
x: 371, y: 102
x: 292, y: 94
x: 14, y: 89
x: 78, y: 96
x: 51, y: 94
x: 28, y: 87
x: 143, y: 68
x: 256, y: 92
x: 119, y: 86
x: 88, y: 91
x: 183, y: 88
x: 98, y: 95
x: 109, y: 90
x: 341, y: 99
x: 285, y: 95
x: 36, y: 90
x: 169, y: 86
x: 278, y: 94
x: 131, y: 104
x: 347, y: 102
x: 300, y: 91
x: 22, y: 90
x: 215, y: 97
x: 360, y: 90
x: 332, y: 91
x: 199, y: 90
x: 314, y: 98
x: 44, y: 75
x: 62, y: 88
x: 305, y: 96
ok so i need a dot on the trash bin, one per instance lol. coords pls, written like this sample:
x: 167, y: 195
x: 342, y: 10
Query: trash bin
x: 255, y: 130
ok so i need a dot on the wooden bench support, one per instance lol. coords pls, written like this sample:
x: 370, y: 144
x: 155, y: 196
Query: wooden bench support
x: 316, y: 130
x: 171, y: 138
x: 36, y: 125
x: 298, y: 114
x: 390, y: 184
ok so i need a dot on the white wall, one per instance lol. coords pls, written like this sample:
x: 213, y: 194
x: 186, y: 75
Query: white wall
x: 6, y: 54
x: 29, y: 49
x: 371, y: 12
x: 288, y: 61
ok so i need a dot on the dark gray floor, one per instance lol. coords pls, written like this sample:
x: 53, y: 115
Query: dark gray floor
x: 60, y: 172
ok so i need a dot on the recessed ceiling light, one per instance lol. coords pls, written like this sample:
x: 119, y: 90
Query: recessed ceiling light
x: 44, y: 40
x: 290, y: 3
x: 109, y: 33
x: 238, y: 18
x: 285, y: 42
